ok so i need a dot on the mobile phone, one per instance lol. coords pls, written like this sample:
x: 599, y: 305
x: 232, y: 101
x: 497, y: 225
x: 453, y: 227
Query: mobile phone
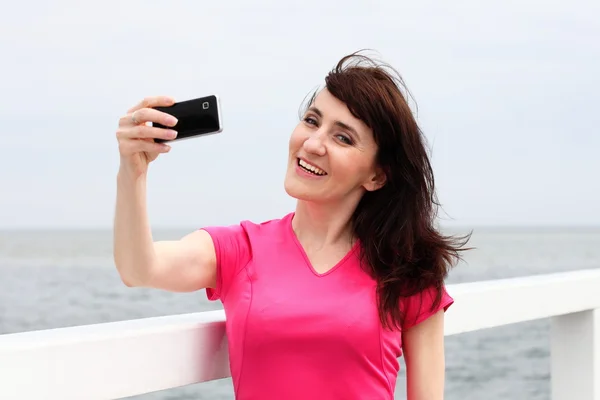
x: 196, y: 117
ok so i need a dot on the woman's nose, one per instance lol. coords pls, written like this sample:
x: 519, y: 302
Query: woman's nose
x: 315, y: 144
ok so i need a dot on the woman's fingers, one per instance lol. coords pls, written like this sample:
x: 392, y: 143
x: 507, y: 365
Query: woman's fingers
x: 131, y: 147
x: 136, y: 137
x: 145, y: 132
x: 144, y: 115
x: 153, y: 101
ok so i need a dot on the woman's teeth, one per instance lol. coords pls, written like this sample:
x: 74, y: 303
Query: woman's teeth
x: 311, y: 168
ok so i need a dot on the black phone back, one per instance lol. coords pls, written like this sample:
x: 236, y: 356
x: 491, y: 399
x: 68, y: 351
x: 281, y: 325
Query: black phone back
x: 196, y: 117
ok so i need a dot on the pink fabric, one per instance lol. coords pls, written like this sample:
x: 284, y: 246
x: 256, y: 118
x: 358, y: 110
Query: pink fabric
x: 296, y: 334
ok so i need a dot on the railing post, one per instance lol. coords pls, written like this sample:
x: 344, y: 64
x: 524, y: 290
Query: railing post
x: 575, y: 352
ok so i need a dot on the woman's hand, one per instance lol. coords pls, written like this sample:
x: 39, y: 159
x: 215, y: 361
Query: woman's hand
x: 136, y: 139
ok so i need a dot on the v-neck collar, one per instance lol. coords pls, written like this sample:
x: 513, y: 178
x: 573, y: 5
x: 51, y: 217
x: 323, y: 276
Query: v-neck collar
x: 309, y: 264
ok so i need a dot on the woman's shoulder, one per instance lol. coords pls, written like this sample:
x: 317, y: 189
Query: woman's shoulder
x: 270, y: 226
x: 252, y: 231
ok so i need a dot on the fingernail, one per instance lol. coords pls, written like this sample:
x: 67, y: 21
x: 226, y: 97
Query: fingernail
x: 172, y: 120
x: 172, y: 134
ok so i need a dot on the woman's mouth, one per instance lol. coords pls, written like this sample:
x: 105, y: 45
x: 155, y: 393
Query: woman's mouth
x: 311, y: 169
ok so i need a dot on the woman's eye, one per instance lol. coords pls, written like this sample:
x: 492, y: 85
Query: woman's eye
x: 310, y: 120
x: 344, y: 139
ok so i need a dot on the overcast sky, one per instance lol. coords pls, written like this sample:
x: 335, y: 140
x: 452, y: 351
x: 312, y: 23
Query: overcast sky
x: 507, y: 95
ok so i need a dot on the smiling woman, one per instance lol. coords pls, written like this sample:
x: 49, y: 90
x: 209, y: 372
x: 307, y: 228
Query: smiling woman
x: 335, y: 148
x: 322, y: 302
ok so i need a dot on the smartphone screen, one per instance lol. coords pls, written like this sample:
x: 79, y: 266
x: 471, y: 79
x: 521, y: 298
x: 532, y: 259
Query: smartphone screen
x: 195, y: 117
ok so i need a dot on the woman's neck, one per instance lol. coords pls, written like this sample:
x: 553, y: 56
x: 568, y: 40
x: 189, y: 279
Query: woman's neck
x: 318, y: 226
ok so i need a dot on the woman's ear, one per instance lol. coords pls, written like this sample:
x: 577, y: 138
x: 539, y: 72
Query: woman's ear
x: 377, y: 181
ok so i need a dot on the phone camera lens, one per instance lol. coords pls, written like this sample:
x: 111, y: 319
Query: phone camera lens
x: 205, y: 105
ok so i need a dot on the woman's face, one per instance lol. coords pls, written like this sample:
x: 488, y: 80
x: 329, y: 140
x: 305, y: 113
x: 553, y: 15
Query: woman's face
x: 332, y: 154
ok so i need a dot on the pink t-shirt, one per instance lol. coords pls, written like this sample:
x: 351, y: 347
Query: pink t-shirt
x: 296, y: 334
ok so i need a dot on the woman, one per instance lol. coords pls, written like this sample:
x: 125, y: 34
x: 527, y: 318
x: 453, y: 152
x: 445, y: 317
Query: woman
x: 322, y: 302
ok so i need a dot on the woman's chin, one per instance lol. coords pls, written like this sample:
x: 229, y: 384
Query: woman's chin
x: 300, y: 190
x: 293, y: 189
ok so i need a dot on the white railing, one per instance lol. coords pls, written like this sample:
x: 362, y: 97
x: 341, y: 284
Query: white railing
x: 120, y: 359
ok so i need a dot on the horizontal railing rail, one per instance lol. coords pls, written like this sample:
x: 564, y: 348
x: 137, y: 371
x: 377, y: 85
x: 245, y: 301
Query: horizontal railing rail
x: 126, y: 358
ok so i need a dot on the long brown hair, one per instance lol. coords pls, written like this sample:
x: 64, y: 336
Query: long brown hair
x: 401, y: 248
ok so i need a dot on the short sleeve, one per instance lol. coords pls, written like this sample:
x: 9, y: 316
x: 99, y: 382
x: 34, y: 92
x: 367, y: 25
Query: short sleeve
x: 419, y: 307
x: 232, y: 249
